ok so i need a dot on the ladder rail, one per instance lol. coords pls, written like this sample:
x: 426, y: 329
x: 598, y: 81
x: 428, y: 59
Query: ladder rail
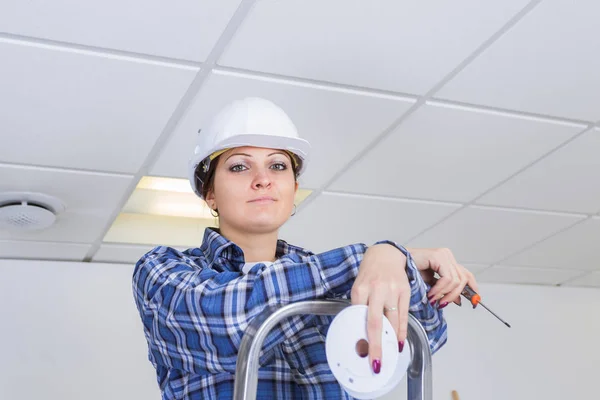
x: 419, y: 373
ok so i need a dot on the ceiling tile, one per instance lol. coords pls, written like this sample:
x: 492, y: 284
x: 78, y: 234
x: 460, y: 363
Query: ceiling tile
x: 540, y: 276
x: 121, y: 253
x: 476, y: 269
x: 185, y: 29
x: 378, y: 44
x: 588, y: 280
x: 89, y: 198
x: 487, y: 235
x: 452, y: 153
x: 82, y: 111
x: 43, y: 250
x: 576, y: 248
x: 566, y: 180
x: 545, y: 64
x: 337, y: 123
x: 333, y: 220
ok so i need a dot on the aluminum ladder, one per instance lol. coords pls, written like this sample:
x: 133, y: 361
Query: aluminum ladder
x: 419, y: 376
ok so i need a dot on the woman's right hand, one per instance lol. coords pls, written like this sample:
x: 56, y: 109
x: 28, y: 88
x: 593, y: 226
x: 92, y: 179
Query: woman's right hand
x: 382, y: 285
x: 453, y: 277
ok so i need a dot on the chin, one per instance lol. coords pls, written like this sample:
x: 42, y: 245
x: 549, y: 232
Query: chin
x: 264, y: 223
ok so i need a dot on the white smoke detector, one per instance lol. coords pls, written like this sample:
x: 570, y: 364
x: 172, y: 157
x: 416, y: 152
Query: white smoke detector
x: 26, y: 211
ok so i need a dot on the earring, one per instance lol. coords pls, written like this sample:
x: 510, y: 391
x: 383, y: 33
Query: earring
x: 214, y: 213
x: 294, y: 213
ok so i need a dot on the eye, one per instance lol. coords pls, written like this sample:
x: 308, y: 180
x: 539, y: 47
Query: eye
x: 279, y: 166
x: 237, y: 168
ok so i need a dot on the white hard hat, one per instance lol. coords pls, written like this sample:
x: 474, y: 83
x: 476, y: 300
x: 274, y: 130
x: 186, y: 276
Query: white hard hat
x: 252, y: 122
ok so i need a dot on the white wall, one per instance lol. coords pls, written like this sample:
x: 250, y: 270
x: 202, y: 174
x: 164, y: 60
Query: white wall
x: 552, y: 351
x: 70, y: 331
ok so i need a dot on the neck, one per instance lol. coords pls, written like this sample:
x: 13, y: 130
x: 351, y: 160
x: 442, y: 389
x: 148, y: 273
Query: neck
x: 256, y: 246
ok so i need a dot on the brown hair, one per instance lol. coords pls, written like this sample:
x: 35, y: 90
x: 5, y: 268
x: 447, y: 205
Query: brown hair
x: 209, y: 180
x: 209, y: 177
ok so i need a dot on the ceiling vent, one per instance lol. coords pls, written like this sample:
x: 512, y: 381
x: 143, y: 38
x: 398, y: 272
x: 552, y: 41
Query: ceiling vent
x: 26, y: 211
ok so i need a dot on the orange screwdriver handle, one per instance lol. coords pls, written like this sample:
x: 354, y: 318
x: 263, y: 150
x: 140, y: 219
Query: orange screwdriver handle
x: 471, y: 295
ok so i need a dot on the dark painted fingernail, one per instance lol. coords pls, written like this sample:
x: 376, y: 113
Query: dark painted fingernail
x: 430, y: 297
x: 444, y: 304
x: 376, y: 366
x: 433, y: 302
x: 400, y: 346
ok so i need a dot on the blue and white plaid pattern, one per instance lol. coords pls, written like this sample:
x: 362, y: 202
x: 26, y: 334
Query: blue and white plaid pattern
x: 195, y: 306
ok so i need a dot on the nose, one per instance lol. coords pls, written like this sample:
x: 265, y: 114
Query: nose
x: 261, y: 179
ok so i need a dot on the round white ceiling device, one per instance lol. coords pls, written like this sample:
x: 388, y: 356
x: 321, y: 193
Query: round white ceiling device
x: 28, y: 211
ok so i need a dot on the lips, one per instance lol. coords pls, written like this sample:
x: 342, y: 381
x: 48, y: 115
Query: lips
x: 263, y: 199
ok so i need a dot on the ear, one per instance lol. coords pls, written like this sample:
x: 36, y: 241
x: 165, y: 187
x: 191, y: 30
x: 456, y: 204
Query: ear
x: 210, y: 199
x: 296, y: 187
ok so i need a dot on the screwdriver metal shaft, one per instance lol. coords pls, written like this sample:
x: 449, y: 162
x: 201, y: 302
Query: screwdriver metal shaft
x: 475, y: 299
x: 494, y: 314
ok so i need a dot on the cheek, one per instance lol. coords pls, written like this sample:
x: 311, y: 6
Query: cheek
x: 227, y: 190
x: 288, y: 191
x: 230, y: 198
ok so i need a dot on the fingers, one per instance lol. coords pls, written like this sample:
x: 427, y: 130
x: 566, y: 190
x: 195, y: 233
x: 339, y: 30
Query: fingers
x: 393, y: 316
x: 359, y: 294
x: 454, y: 293
x: 471, y: 280
x: 403, y: 305
x: 453, y: 277
x: 399, y: 319
x: 451, y: 291
x: 449, y: 280
x: 436, y: 290
x: 374, y: 324
x: 428, y: 276
x: 467, y: 278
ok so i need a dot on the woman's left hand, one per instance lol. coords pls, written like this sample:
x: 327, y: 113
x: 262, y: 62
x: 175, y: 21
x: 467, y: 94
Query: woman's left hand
x: 453, y: 277
x: 382, y: 285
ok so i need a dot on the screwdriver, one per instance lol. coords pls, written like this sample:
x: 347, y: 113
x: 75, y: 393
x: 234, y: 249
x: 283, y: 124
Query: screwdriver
x: 475, y: 299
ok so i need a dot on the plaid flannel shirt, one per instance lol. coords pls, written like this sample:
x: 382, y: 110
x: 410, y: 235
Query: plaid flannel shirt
x: 195, y: 306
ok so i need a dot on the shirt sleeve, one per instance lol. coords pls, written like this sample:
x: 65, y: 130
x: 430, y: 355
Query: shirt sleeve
x: 431, y: 318
x: 194, y: 318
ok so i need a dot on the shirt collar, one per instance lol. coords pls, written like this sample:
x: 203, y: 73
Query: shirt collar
x: 215, y: 246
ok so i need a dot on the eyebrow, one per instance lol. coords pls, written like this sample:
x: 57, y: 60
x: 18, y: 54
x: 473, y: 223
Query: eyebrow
x: 248, y: 155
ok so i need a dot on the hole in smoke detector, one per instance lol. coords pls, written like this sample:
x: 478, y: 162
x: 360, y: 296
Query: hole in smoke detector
x: 362, y: 348
x: 28, y: 211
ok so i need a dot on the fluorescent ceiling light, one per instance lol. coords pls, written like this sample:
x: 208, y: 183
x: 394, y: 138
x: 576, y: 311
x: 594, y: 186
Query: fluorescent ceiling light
x: 153, y: 230
x: 172, y: 204
x: 165, y: 184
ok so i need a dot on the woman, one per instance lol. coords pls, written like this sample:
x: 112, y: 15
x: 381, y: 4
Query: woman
x: 195, y: 305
